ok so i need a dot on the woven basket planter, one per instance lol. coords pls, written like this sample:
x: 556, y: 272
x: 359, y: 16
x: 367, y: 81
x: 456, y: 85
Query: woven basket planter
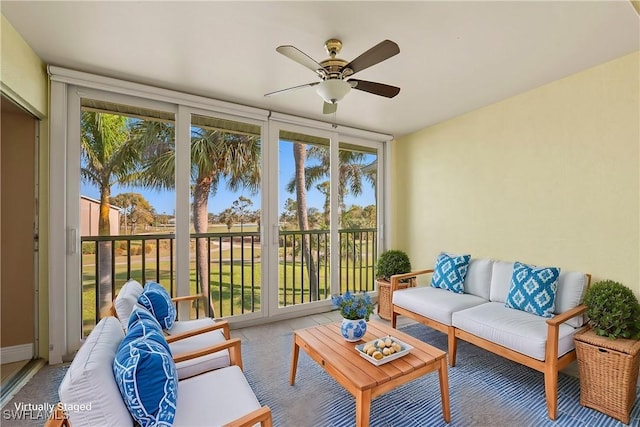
x: 608, y: 373
x: 385, y: 305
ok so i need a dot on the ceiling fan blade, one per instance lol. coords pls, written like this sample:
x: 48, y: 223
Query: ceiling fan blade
x: 300, y: 57
x: 383, y: 50
x: 329, y: 108
x: 292, y: 88
x: 375, y: 88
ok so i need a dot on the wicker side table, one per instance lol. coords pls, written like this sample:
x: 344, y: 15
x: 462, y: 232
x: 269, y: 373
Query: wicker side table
x: 608, y: 373
x: 385, y: 305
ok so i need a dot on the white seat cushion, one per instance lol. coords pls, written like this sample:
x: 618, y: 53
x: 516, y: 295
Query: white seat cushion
x: 434, y: 303
x: 517, y: 330
x: 181, y: 326
x: 125, y: 301
x: 214, y: 398
x: 189, y: 368
x: 90, y: 381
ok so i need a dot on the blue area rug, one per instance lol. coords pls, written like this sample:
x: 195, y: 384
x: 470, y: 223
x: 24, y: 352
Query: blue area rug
x: 485, y: 390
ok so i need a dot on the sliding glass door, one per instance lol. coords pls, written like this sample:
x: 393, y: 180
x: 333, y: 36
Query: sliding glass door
x: 327, y: 216
x: 266, y: 217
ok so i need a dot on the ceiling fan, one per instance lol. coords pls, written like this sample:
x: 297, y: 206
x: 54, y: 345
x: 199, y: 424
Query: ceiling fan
x: 336, y: 73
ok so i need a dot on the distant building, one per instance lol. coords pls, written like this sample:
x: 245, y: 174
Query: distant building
x: 90, y: 215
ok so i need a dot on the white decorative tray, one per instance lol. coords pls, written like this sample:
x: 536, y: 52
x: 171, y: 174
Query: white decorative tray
x: 404, y: 349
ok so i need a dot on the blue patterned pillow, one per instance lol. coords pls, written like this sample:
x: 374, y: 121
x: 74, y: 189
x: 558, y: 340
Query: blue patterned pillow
x: 157, y: 300
x: 141, y: 324
x: 450, y: 271
x: 533, y: 289
x: 147, y: 379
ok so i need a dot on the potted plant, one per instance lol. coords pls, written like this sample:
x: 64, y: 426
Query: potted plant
x: 613, y: 310
x: 355, y: 310
x: 609, y: 353
x: 390, y: 263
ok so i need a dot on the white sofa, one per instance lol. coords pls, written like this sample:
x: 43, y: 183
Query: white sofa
x: 479, y: 316
x: 89, y: 394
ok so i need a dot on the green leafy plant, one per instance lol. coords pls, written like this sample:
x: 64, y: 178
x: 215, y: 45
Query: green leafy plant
x: 392, y: 262
x: 354, y: 306
x: 613, y: 310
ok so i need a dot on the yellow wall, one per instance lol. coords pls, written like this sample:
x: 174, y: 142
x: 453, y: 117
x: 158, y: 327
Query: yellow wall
x: 548, y: 177
x: 23, y: 73
x: 23, y: 78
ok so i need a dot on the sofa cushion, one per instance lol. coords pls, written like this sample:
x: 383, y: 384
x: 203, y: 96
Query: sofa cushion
x: 157, y: 300
x: 500, y: 281
x: 181, y: 326
x: 125, y: 301
x: 215, y: 398
x: 572, y: 286
x: 517, y: 330
x: 434, y: 303
x: 533, y: 289
x: 450, y: 271
x: 198, y: 365
x: 478, y: 280
x: 147, y: 379
x: 89, y: 380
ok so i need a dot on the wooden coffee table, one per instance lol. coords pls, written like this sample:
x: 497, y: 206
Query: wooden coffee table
x: 362, y: 379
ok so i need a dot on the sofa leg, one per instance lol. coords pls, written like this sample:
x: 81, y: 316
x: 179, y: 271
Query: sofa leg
x: 453, y: 345
x: 394, y: 319
x: 551, y: 392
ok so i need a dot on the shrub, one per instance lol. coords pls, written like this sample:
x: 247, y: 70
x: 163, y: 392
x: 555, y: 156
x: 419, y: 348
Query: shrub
x: 392, y: 262
x: 88, y: 248
x: 613, y: 310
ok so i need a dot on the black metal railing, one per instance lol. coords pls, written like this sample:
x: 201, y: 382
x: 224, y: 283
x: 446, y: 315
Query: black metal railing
x: 226, y: 268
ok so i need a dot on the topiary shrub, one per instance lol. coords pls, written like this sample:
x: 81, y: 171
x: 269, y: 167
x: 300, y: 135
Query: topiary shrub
x: 613, y: 310
x: 392, y: 262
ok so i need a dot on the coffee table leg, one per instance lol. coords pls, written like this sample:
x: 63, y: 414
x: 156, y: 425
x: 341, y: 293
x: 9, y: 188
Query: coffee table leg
x: 294, y: 361
x: 444, y: 390
x: 363, y: 408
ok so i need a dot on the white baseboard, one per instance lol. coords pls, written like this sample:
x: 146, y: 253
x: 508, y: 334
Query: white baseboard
x: 16, y: 353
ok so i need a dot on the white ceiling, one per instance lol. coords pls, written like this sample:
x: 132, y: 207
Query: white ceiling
x: 454, y: 56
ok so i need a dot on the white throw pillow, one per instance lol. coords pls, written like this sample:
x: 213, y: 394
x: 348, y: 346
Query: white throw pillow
x: 125, y: 301
x: 89, y: 384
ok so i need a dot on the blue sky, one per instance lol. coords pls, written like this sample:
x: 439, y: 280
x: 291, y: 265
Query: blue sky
x: 164, y: 202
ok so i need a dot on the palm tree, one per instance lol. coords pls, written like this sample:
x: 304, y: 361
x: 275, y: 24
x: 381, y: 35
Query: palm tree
x: 107, y: 158
x: 216, y: 155
x: 299, y: 156
x: 351, y: 168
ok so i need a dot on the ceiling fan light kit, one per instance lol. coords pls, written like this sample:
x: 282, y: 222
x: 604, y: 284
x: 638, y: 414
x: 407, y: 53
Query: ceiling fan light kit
x: 333, y: 90
x: 335, y: 72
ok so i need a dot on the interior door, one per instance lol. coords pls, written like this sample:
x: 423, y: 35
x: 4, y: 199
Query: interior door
x: 18, y: 201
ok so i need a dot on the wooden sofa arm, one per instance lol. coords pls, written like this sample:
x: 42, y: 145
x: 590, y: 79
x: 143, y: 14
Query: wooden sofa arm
x: 222, y: 324
x: 261, y: 415
x: 563, y: 317
x: 57, y: 418
x: 187, y: 298
x: 233, y: 345
x: 395, y: 279
x: 553, y: 332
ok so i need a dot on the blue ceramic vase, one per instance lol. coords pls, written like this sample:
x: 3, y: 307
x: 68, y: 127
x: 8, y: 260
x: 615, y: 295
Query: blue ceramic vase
x: 353, y: 330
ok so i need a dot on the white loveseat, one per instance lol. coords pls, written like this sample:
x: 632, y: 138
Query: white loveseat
x: 479, y: 316
x: 89, y: 394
